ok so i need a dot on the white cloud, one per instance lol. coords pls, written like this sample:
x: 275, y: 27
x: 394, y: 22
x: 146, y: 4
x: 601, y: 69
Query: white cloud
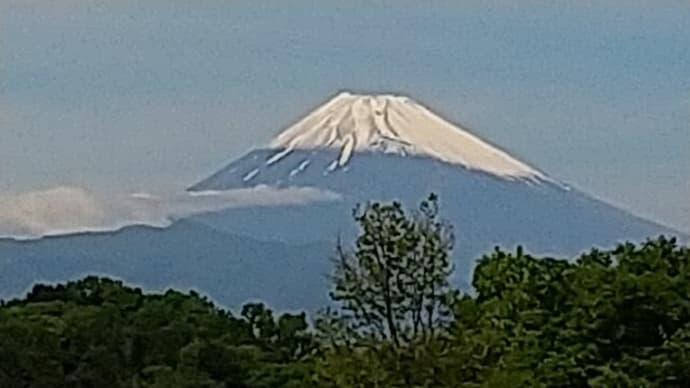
x: 63, y: 210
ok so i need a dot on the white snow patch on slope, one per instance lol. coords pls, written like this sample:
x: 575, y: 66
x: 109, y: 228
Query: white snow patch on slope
x: 301, y: 167
x: 251, y: 174
x: 394, y: 124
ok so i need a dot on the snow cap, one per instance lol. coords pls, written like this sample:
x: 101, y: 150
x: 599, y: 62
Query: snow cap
x: 394, y: 124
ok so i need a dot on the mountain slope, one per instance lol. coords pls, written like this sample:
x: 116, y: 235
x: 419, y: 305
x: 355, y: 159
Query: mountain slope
x: 187, y: 255
x: 486, y: 210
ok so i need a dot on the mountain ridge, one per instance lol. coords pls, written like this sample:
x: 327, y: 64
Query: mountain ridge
x: 186, y: 255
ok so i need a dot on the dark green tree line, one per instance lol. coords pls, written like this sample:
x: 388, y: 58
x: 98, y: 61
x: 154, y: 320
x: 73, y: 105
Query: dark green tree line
x: 97, y: 332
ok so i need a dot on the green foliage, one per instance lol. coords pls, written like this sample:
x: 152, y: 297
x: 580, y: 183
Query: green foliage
x: 394, y: 300
x: 394, y: 286
x: 615, y: 318
x: 97, y: 332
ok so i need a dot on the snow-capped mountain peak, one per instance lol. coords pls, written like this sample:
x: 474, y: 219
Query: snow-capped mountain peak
x: 394, y: 124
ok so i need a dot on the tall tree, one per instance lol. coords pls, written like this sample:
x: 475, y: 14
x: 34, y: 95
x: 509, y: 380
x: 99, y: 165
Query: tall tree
x: 395, y: 284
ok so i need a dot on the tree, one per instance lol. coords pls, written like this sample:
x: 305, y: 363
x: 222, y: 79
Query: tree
x: 395, y: 284
x: 610, y: 318
x: 98, y: 332
x: 260, y: 319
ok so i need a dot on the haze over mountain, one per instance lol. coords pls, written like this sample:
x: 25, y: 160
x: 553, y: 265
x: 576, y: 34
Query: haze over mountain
x: 361, y: 147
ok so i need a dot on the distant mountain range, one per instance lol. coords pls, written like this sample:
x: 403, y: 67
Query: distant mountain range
x: 363, y: 147
x: 186, y: 255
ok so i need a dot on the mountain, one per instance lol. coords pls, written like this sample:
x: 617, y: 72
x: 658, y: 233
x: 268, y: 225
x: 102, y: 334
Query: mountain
x: 389, y: 147
x: 185, y: 255
x: 363, y: 147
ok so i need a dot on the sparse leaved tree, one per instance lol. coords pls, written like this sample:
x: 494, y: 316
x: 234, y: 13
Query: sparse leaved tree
x: 395, y: 284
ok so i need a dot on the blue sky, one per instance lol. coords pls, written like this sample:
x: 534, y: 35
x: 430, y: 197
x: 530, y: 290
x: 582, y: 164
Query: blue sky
x: 130, y: 95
